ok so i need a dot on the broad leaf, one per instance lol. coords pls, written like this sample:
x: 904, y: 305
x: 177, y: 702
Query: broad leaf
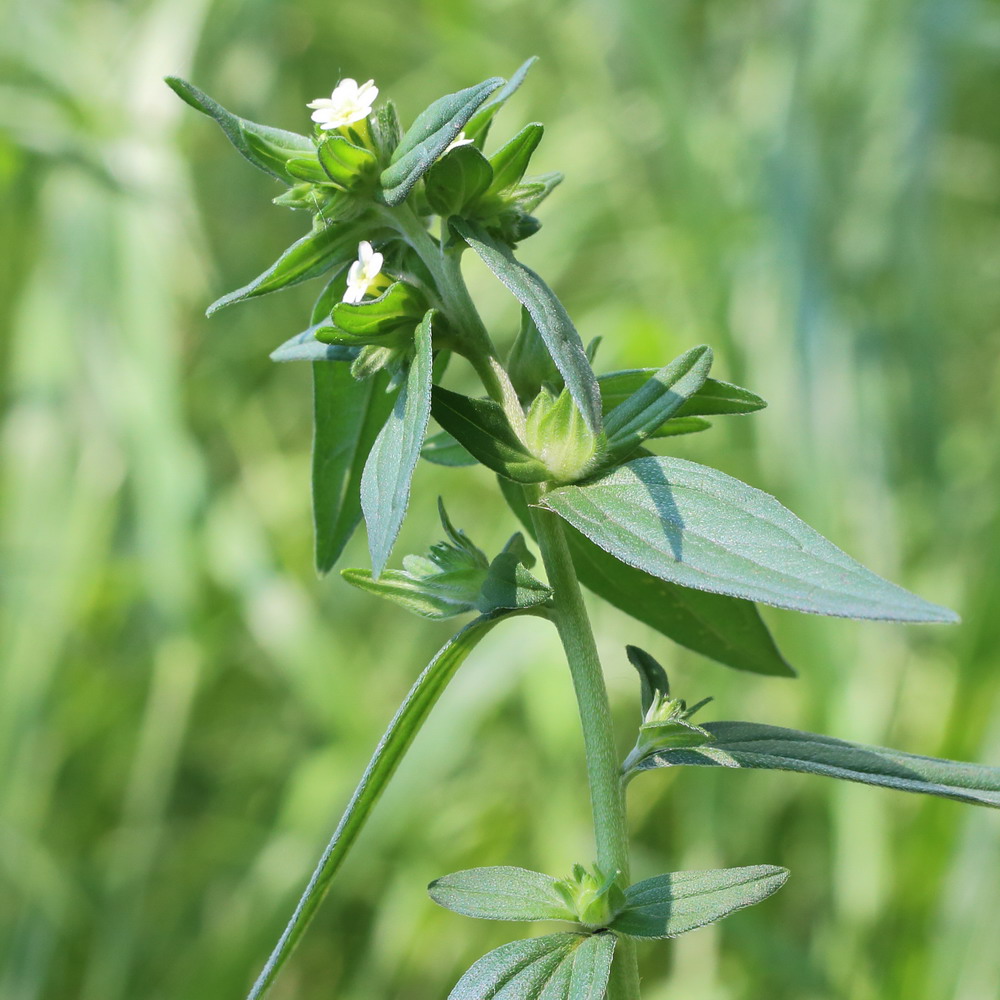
x: 479, y: 123
x: 267, y: 148
x: 307, y: 258
x: 457, y: 180
x: 443, y: 449
x: 385, y: 482
x: 725, y: 629
x: 749, y: 744
x: 669, y: 905
x: 555, y: 967
x: 698, y: 527
x: 481, y: 427
x: 551, y: 319
x: 405, y: 725
x: 398, y: 308
x: 640, y: 415
x: 429, y: 136
x: 348, y: 416
x: 511, y: 160
x: 501, y: 893
x: 714, y: 397
x: 344, y: 163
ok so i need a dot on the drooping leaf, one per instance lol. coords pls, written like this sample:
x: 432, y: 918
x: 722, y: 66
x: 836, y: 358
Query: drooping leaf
x: 669, y: 905
x: 511, y: 160
x: 752, y: 745
x: 726, y: 629
x: 348, y: 416
x: 457, y: 180
x: 698, y: 527
x: 481, y: 426
x: 385, y: 482
x: 551, y: 319
x: 429, y: 136
x: 267, y: 148
x: 443, y: 449
x: 405, y: 725
x: 501, y: 893
x: 479, y: 123
x: 713, y: 398
x: 555, y: 967
x: 652, y: 677
x: 641, y: 414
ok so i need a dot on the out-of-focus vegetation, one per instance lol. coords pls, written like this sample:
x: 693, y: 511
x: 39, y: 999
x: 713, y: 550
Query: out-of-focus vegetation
x: 811, y: 187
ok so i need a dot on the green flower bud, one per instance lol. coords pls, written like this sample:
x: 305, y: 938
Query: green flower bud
x: 557, y: 435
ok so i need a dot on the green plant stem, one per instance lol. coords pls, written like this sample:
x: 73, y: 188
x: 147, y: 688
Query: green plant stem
x: 603, y: 772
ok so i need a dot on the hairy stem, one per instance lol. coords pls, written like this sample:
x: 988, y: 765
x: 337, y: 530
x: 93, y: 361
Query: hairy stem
x: 603, y: 772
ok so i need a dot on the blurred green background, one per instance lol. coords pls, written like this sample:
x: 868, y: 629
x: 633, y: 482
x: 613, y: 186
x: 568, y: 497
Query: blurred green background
x: 811, y: 187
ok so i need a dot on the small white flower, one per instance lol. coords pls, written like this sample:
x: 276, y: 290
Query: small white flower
x: 460, y: 140
x: 347, y: 104
x: 363, y: 272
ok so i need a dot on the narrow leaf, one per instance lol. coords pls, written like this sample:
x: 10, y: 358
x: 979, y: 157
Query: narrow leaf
x: 698, y: 527
x: 725, y: 629
x: 511, y: 160
x: 443, y: 449
x: 448, y: 598
x: 405, y: 725
x: 749, y: 744
x: 554, y: 325
x: 478, y: 125
x: 713, y: 398
x: 429, y: 136
x: 652, y: 677
x: 669, y: 905
x: 385, y: 482
x: 501, y: 893
x: 305, y: 347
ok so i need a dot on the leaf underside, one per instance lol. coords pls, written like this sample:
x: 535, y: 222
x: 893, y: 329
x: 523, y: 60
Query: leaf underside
x: 501, y: 893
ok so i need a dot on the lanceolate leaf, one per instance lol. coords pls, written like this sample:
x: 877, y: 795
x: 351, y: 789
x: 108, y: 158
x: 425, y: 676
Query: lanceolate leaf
x: 501, y: 893
x: 714, y: 397
x: 265, y: 147
x: 511, y: 160
x: 725, y: 629
x: 429, y: 136
x: 443, y: 449
x: 390, y: 751
x: 696, y: 526
x: 749, y: 744
x: 555, y: 967
x: 385, y: 482
x: 668, y: 905
x: 478, y: 124
x: 348, y: 416
x: 652, y: 677
x: 554, y: 325
x: 305, y: 347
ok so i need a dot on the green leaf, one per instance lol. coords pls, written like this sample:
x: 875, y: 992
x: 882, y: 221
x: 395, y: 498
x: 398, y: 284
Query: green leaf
x: 481, y: 426
x: 714, y: 397
x: 457, y: 180
x: 508, y: 583
x: 511, y: 160
x: 669, y: 905
x: 725, y: 629
x: 501, y: 893
x: 551, y: 319
x: 696, y: 526
x: 749, y: 744
x: 652, y: 677
x: 267, y: 148
x: 305, y: 347
x: 680, y: 425
x: 344, y: 163
x: 661, y: 396
x: 348, y: 417
x: 443, y: 449
x: 555, y: 967
x: 306, y: 258
x: 397, y: 309
x: 532, y: 192
x: 429, y: 136
x: 385, y: 482
x: 529, y: 364
x: 478, y: 125
x: 390, y: 751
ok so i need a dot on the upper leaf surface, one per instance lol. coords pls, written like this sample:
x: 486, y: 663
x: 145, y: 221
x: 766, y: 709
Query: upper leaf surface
x: 501, y: 893
x: 714, y: 397
x: 479, y: 123
x: 698, y: 527
x: 553, y: 323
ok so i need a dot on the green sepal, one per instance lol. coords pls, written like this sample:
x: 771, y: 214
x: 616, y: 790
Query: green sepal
x: 593, y: 895
x: 304, y: 168
x: 443, y: 449
x: 383, y: 125
x: 669, y: 905
x: 268, y: 149
x: 528, y: 195
x: 395, y: 312
x: 458, y: 178
x: 508, y: 584
x: 478, y: 125
x: 712, y: 399
x: 557, y: 435
x: 501, y: 893
x: 529, y: 364
x: 652, y: 677
x: 344, y: 163
x: 511, y: 160
x: 429, y: 136
x: 481, y: 426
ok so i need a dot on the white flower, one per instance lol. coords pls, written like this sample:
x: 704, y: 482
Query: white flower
x: 347, y: 104
x: 363, y: 272
x: 459, y: 140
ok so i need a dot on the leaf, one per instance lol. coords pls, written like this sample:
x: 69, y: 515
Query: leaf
x: 479, y: 123
x: 343, y: 162
x: 267, y: 148
x: 714, y: 397
x: 511, y: 160
x: 680, y: 425
x: 305, y: 347
x: 429, y: 136
x: 458, y: 178
x: 554, y: 325
x: 501, y: 893
x: 452, y: 595
x: 661, y: 396
x: 652, y: 677
x: 391, y: 749
x: 508, y: 583
x: 555, y: 967
x: 443, y: 449
x: 725, y: 629
x: 529, y: 363
x: 400, y: 306
x: 532, y: 192
x: 481, y: 426
x: 348, y: 416
x: 750, y: 744
x: 306, y: 258
x: 696, y: 526
x: 669, y: 905
x: 385, y: 482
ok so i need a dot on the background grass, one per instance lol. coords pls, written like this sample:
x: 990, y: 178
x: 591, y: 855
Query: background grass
x: 811, y: 187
